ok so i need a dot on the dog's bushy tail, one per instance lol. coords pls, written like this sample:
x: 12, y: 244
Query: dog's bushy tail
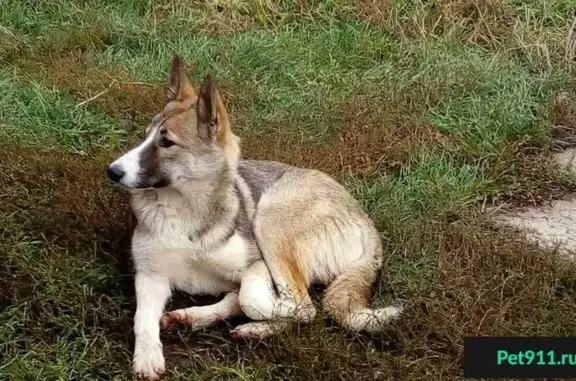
x: 347, y: 300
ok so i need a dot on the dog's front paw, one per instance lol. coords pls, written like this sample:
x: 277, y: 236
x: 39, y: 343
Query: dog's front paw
x: 175, y: 317
x: 148, y: 361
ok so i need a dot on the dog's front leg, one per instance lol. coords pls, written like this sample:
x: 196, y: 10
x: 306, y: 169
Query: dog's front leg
x: 204, y: 316
x: 152, y: 292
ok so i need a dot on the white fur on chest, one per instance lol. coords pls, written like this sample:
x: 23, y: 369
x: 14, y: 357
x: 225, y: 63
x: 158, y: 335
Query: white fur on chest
x: 164, y: 248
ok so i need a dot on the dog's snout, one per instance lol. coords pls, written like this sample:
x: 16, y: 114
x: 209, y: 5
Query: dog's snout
x: 115, y: 172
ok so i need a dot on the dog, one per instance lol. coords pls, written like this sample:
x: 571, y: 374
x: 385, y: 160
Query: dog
x: 260, y: 232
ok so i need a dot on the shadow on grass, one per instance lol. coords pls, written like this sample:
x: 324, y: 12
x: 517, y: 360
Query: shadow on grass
x: 64, y: 199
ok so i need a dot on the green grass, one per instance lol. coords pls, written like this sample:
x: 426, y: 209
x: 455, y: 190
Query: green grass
x: 425, y: 113
x: 42, y: 118
x: 64, y: 303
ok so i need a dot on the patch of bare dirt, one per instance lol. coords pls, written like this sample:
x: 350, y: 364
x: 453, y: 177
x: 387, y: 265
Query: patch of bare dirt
x: 548, y: 216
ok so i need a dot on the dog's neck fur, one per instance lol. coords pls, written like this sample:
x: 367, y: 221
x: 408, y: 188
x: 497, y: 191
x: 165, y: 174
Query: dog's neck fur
x: 193, y: 201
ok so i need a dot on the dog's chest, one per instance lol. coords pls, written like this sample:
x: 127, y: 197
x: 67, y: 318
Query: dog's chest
x: 191, y: 266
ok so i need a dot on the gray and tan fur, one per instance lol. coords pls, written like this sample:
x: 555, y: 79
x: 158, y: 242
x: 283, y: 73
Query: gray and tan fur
x: 261, y: 232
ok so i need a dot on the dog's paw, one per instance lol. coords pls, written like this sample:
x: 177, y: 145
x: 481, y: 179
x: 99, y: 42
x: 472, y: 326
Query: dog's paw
x: 173, y: 318
x: 148, y: 361
x: 305, y: 313
x: 254, y: 331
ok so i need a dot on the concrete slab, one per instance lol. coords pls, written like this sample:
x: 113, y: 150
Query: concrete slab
x: 553, y: 225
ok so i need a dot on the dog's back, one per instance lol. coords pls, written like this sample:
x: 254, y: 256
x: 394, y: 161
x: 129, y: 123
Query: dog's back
x: 259, y: 175
x: 310, y: 229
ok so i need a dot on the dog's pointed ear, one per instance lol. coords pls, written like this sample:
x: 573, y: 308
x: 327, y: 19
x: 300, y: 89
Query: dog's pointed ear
x: 179, y: 86
x: 212, y: 115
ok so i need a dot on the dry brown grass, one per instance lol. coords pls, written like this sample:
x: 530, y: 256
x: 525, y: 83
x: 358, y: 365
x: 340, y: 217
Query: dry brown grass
x: 64, y: 199
x: 218, y: 18
x: 479, y: 22
x: 117, y: 93
x: 222, y: 17
x: 368, y: 139
x: 564, y: 118
x: 528, y: 176
x: 524, y: 29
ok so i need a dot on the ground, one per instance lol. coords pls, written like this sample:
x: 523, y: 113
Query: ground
x: 430, y: 112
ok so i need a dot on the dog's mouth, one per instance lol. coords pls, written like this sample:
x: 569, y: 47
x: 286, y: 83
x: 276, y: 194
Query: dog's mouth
x: 159, y: 184
x: 119, y: 180
x: 162, y: 183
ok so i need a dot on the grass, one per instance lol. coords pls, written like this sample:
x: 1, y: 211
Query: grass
x: 426, y: 111
x: 46, y: 118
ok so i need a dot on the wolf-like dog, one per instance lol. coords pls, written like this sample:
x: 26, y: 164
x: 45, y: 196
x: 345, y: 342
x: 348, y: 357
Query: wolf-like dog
x: 208, y: 222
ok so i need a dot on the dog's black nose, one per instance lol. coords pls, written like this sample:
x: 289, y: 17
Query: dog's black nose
x: 115, y: 173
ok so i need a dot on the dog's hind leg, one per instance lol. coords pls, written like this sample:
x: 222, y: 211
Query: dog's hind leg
x: 259, y: 330
x: 204, y: 316
x: 259, y: 300
x: 347, y: 299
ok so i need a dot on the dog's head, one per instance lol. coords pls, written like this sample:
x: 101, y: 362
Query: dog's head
x: 190, y: 139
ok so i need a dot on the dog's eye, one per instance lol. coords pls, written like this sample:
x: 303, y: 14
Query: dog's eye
x: 165, y: 142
